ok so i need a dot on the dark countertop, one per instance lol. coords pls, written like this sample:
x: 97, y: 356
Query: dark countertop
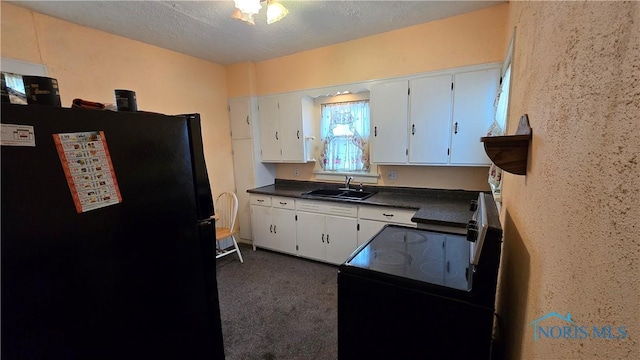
x: 433, y: 206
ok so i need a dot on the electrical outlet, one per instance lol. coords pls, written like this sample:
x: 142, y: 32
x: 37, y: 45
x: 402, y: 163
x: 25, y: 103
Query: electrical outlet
x: 393, y: 175
x: 296, y: 172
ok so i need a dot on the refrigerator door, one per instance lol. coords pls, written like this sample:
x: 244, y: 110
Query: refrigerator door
x: 204, y: 200
x: 131, y: 280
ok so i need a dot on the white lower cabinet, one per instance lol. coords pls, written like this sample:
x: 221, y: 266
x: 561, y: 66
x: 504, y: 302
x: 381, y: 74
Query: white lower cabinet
x: 273, y: 223
x: 326, y: 231
x: 372, y: 219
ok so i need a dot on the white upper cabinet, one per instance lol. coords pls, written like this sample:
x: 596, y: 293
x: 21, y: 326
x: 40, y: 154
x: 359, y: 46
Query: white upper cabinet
x: 474, y: 93
x: 269, y: 129
x: 430, y: 116
x: 388, y: 103
x: 434, y: 120
x: 285, y: 120
x: 240, y: 118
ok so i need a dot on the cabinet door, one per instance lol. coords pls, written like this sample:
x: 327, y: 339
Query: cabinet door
x: 311, y: 237
x: 367, y: 229
x: 430, y: 119
x: 284, y: 230
x: 474, y: 93
x: 388, y: 102
x: 240, y: 118
x: 269, y: 129
x: 291, y: 136
x: 261, y: 226
x: 243, y: 173
x: 342, y: 238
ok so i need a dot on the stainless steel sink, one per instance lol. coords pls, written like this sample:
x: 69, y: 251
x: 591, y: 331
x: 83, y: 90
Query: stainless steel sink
x: 340, y: 194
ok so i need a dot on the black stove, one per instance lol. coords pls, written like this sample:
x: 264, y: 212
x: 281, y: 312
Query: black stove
x: 443, y: 281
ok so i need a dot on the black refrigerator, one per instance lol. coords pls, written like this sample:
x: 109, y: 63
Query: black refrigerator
x: 107, y: 250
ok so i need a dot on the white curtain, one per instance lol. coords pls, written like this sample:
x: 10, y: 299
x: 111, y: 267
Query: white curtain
x: 344, y: 129
x: 499, y: 126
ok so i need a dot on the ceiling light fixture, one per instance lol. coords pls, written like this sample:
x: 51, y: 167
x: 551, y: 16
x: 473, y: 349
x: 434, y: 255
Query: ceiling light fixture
x: 246, y: 9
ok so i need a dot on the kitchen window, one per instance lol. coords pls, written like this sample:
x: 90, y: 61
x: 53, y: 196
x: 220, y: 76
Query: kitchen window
x: 344, y: 132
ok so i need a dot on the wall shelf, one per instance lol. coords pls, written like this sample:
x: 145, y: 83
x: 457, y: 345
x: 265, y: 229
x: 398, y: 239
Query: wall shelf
x: 510, y: 152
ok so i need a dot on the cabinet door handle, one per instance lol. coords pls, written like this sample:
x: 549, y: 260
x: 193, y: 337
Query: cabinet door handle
x: 455, y: 129
x: 327, y: 238
x: 247, y: 119
x: 413, y: 129
x: 271, y: 228
x: 298, y: 134
x: 375, y: 131
x: 322, y: 237
x: 274, y: 229
x: 277, y: 136
x: 388, y: 215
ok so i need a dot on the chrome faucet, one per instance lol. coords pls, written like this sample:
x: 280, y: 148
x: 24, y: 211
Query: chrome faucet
x: 347, y: 181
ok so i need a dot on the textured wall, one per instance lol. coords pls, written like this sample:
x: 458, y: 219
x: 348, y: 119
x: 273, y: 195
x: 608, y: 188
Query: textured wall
x: 572, y: 229
x: 89, y: 64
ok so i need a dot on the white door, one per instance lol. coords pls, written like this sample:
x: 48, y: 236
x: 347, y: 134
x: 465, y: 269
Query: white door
x: 269, y: 129
x: 284, y: 230
x: 261, y: 226
x: 243, y: 173
x: 291, y: 136
x: 342, y: 238
x: 429, y: 120
x: 473, y: 112
x: 311, y: 237
x: 240, y: 118
x: 388, y: 103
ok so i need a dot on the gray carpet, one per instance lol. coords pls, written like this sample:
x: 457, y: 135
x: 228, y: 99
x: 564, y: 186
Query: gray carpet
x: 276, y: 306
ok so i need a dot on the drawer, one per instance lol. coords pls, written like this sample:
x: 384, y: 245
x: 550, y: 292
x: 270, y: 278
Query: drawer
x: 387, y: 214
x: 261, y: 200
x: 283, y: 202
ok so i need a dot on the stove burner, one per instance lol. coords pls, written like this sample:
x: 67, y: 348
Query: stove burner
x: 438, y: 270
x: 392, y: 257
x: 409, y: 237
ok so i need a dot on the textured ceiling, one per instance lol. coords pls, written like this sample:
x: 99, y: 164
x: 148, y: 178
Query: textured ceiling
x: 204, y: 29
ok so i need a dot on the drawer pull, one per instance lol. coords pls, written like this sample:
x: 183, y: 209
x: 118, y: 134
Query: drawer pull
x: 283, y: 203
x: 260, y: 200
x: 388, y: 215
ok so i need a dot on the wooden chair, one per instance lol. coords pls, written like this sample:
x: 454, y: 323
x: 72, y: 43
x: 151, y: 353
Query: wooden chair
x: 226, y: 208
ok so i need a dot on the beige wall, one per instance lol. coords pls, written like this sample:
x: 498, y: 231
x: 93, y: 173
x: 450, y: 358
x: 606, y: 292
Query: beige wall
x: 90, y: 64
x: 474, y: 38
x: 571, y: 225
